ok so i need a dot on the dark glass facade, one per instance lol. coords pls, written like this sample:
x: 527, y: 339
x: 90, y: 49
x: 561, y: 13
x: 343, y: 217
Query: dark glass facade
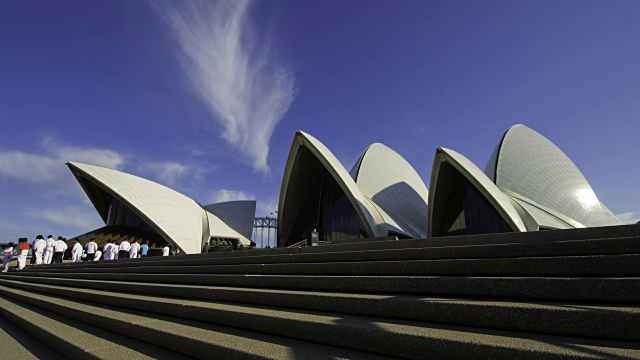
x: 100, y: 198
x: 120, y: 214
x: 316, y: 201
x: 460, y: 208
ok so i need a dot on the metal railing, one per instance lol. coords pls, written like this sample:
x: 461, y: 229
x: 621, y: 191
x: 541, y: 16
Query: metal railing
x: 299, y: 244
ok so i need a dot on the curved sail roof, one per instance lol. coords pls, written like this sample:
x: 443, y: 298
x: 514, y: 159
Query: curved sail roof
x: 221, y: 229
x: 176, y: 217
x: 527, y: 163
x: 290, y: 197
x: 394, y: 186
x: 457, y: 165
x: 237, y: 215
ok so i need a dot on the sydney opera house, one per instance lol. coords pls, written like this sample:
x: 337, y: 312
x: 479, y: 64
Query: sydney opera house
x: 134, y: 205
x: 528, y: 184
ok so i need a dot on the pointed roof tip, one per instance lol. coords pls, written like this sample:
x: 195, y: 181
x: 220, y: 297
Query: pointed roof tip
x: 375, y: 144
x: 466, y: 168
x: 78, y: 164
x: 518, y: 126
x: 441, y: 150
x: 304, y: 135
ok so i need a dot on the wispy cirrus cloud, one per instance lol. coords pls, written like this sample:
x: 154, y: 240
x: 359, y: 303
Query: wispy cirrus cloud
x: 231, y: 69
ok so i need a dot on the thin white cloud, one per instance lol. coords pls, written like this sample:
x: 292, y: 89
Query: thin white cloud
x: 267, y: 208
x: 171, y: 173
x: 263, y: 207
x: 231, y: 70
x: 46, y: 164
x: 31, y: 168
x: 224, y: 195
x: 72, y: 216
x: 90, y: 155
x: 629, y: 217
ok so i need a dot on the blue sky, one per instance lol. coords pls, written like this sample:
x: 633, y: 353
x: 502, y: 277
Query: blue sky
x: 205, y: 97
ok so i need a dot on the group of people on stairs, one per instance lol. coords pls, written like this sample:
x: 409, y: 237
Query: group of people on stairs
x: 110, y: 251
x: 52, y: 251
x: 44, y: 251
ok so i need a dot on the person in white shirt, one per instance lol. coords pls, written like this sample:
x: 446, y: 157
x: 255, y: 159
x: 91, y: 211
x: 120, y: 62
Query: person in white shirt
x: 165, y: 250
x: 124, y: 249
x: 107, y: 250
x: 76, y: 252
x: 8, y: 252
x: 48, y: 249
x: 38, y: 249
x: 91, y: 249
x: 98, y: 255
x: 133, y: 251
x: 33, y: 250
x: 59, y: 249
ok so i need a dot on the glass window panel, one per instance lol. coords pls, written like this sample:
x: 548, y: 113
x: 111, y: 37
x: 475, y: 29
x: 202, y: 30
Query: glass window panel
x: 466, y: 210
x: 323, y: 205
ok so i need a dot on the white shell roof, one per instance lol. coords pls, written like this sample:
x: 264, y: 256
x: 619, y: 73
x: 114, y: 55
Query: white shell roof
x: 472, y: 173
x: 395, y: 187
x: 219, y: 228
x: 178, y: 218
x: 528, y: 164
x: 542, y: 216
x: 371, y: 218
x: 238, y: 215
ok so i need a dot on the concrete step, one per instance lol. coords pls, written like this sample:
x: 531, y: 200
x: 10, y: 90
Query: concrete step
x: 18, y: 344
x: 600, y: 265
x: 617, y: 246
x: 607, y: 232
x: 613, y: 322
x: 591, y: 289
x: 401, y: 338
x: 76, y: 340
x: 512, y: 250
x: 192, y: 338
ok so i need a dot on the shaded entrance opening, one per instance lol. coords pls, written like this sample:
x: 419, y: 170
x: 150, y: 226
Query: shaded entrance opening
x: 315, y: 201
x: 460, y: 208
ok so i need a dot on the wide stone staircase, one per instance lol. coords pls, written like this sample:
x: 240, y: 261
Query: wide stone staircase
x: 552, y: 294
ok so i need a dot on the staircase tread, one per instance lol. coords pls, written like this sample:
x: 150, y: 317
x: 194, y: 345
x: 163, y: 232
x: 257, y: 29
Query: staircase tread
x: 95, y: 285
x: 176, y: 333
x: 86, y: 339
x: 597, y: 289
x: 22, y: 345
x: 619, y: 321
x: 419, y: 333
